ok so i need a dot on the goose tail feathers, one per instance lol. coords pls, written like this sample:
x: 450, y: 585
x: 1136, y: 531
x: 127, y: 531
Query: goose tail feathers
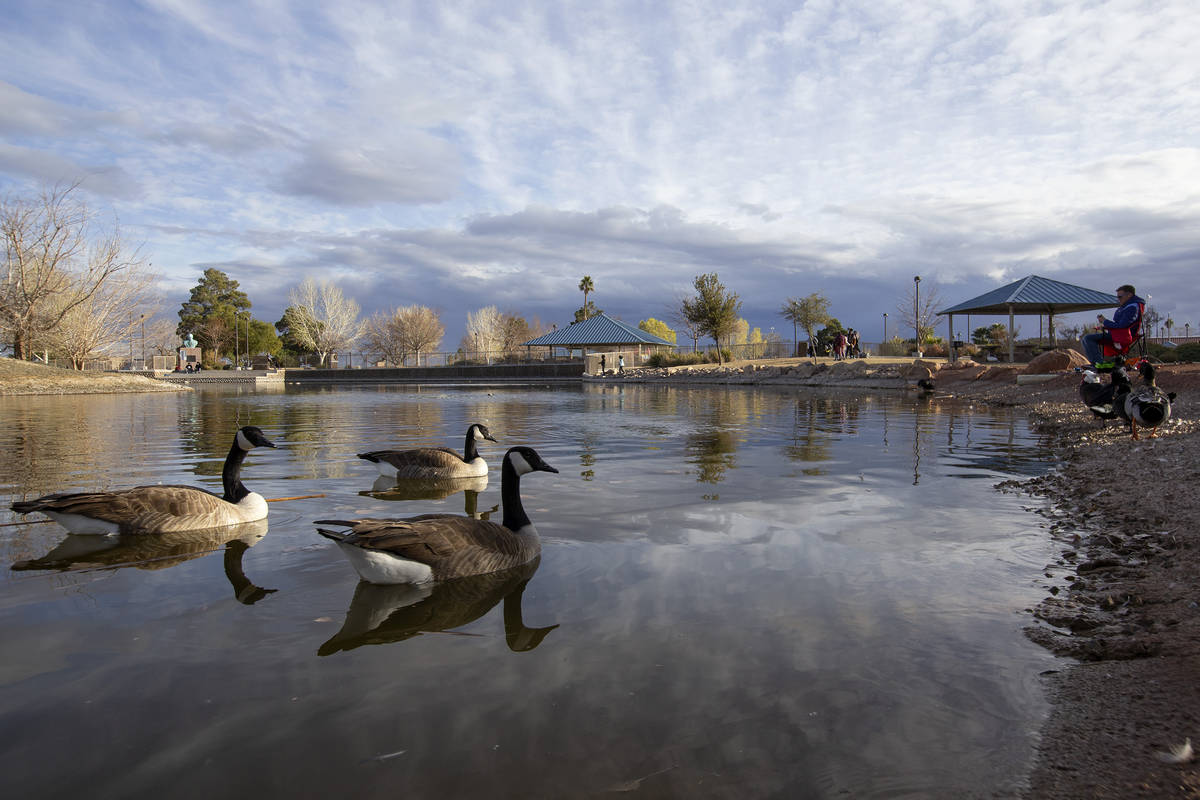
x: 334, y: 535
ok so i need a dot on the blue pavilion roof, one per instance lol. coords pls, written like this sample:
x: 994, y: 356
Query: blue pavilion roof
x: 1035, y: 295
x: 598, y: 330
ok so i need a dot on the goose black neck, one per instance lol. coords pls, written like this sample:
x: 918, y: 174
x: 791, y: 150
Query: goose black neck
x: 510, y: 495
x: 231, y: 475
x: 470, y: 452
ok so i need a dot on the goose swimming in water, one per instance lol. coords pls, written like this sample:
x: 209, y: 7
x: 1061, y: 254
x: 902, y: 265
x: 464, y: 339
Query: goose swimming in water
x: 160, y: 509
x: 1148, y: 405
x: 438, y: 547
x: 434, y: 462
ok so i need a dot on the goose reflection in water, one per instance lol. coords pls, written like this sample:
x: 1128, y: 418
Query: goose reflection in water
x: 380, y: 614
x: 79, y: 552
x: 390, y: 489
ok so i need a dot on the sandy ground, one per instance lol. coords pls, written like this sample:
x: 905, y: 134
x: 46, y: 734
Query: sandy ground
x: 23, y: 377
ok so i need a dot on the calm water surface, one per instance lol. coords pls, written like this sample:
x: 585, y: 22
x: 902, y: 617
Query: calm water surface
x: 746, y: 593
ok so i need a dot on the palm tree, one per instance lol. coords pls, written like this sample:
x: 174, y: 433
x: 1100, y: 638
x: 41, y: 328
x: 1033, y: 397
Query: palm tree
x: 586, y: 286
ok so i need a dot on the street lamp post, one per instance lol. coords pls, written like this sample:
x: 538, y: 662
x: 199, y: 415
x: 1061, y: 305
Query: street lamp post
x: 884, y: 331
x: 917, y: 309
x: 143, y: 321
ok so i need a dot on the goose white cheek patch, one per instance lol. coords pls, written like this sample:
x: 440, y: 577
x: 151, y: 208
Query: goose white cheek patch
x: 520, y: 464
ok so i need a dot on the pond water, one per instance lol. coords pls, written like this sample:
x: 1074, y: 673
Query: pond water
x: 742, y: 593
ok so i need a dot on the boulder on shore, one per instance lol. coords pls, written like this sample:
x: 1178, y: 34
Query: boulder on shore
x: 1056, y: 361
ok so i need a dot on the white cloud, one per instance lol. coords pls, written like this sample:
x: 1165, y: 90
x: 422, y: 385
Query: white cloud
x: 507, y: 149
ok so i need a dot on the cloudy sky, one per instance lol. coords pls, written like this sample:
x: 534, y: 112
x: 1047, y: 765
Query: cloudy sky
x: 467, y: 154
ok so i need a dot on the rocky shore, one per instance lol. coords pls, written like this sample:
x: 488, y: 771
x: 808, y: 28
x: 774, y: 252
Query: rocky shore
x: 1123, y: 598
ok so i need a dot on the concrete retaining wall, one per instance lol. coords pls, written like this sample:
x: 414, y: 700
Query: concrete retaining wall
x: 496, y: 373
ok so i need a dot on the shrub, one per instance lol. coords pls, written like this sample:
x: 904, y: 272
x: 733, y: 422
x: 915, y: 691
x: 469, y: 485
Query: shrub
x: 1188, y: 352
x: 934, y: 349
x: 684, y: 359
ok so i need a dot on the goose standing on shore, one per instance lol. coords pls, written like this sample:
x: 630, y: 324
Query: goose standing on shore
x: 161, y: 509
x: 434, y: 462
x: 438, y: 547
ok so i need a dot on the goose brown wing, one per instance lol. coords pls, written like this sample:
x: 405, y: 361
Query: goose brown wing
x: 142, y: 507
x: 432, y: 539
x: 425, y: 459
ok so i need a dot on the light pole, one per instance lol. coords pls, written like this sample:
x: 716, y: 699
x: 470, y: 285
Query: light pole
x: 143, y: 321
x: 884, y: 329
x: 917, y: 309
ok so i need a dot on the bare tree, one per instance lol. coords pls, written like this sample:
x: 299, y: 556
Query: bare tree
x: 421, y: 329
x: 485, y: 331
x: 161, y: 338
x: 381, y: 337
x: 321, y: 318
x: 396, y: 334
x: 918, y: 309
x: 108, y: 317
x: 219, y: 334
x: 56, y: 257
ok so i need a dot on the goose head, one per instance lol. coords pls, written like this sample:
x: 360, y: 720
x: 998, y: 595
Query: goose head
x: 250, y: 437
x: 480, y: 433
x: 525, y: 460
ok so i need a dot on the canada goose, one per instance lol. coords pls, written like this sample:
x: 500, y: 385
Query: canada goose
x: 434, y: 462
x: 160, y: 509
x: 438, y: 547
x: 1148, y: 405
x: 385, y: 614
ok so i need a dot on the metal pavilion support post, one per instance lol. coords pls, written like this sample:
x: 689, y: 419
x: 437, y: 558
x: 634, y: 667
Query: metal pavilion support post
x: 917, y: 310
x: 1012, y: 335
x: 951, y: 351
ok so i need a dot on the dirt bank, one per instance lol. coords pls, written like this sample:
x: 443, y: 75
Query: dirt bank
x: 23, y: 377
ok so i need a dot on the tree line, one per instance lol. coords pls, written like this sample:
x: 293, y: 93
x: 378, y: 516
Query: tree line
x: 73, y: 287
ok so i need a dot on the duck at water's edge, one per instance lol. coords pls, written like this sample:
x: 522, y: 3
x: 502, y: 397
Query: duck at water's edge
x: 1104, y: 400
x: 1148, y: 405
